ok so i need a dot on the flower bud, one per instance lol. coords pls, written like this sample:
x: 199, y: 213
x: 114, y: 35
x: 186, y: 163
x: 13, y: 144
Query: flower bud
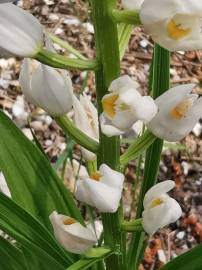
x: 46, y: 87
x: 86, y: 119
x: 73, y: 236
x: 21, y: 33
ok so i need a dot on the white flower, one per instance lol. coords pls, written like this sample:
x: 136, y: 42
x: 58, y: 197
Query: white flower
x: 102, y: 189
x: 21, y: 33
x: 174, y: 24
x: 159, y: 208
x: 178, y: 112
x: 132, y: 4
x: 124, y: 106
x: 73, y: 236
x: 86, y: 119
x: 46, y: 87
x: 3, y: 185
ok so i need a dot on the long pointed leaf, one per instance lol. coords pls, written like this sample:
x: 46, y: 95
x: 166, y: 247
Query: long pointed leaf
x: 31, y: 179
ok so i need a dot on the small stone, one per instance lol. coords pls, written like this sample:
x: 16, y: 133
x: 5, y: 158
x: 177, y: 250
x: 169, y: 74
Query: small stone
x: 180, y: 235
x: 161, y: 256
x: 197, y: 130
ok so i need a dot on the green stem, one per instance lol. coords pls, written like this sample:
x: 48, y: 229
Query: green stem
x: 132, y: 225
x: 160, y: 81
x: 58, y: 61
x: 66, y: 45
x: 76, y: 134
x: 107, y: 52
x: 126, y: 16
x: 138, y: 147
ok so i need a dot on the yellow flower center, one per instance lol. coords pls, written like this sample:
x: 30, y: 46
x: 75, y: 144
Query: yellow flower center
x: 96, y: 176
x: 156, y: 202
x: 69, y: 221
x: 176, y: 31
x: 181, y: 109
x: 109, y: 105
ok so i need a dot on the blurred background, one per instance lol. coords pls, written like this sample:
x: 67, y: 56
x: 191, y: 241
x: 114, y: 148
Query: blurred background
x: 181, y: 162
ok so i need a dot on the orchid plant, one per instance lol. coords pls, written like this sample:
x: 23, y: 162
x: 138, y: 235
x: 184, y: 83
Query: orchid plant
x: 37, y: 211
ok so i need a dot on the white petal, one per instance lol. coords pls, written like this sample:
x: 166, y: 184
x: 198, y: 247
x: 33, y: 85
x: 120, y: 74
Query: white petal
x: 99, y: 195
x: 111, y: 177
x: 157, y: 10
x: 132, y: 4
x: 108, y: 129
x: 145, y: 109
x: 25, y: 80
x: 87, y: 155
x: 152, y: 218
x: 173, y: 96
x: 123, y: 82
x: 21, y: 32
x: 156, y: 14
x: 74, y: 238
x: 81, y: 110
x: 166, y: 127
x: 92, y: 111
x: 160, y: 216
x: 158, y: 190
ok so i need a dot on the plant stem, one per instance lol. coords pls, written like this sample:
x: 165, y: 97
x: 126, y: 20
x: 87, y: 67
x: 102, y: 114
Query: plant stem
x: 66, y: 45
x: 160, y: 80
x: 76, y: 134
x: 107, y: 51
x: 138, y: 147
x: 126, y: 16
x: 58, y: 61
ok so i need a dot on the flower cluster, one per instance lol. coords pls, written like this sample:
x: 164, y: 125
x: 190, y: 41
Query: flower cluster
x: 172, y: 24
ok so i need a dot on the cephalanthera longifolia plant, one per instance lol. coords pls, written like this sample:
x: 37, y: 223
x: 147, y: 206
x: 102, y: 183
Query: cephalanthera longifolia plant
x: 41, y: 215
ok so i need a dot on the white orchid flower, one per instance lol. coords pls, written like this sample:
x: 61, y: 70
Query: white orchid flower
x: 46, y: 87
x: 86, y: 119
x: 21, y: 33
x: 73, y: 236
x: 124, y: 106
x: 3, y: 186
x: 159, y: 208
x: 174, y: 24
x: 178, y: 112
x: 132, y: 4
x: 103, y: 189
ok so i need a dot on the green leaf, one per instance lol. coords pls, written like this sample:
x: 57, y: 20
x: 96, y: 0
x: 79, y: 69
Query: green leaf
x: 92, y: 256
x: 124, y: 31
x: 11, y: 258
x: 32, y: 181
x: 191, y: 260
x: 24, y: 228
